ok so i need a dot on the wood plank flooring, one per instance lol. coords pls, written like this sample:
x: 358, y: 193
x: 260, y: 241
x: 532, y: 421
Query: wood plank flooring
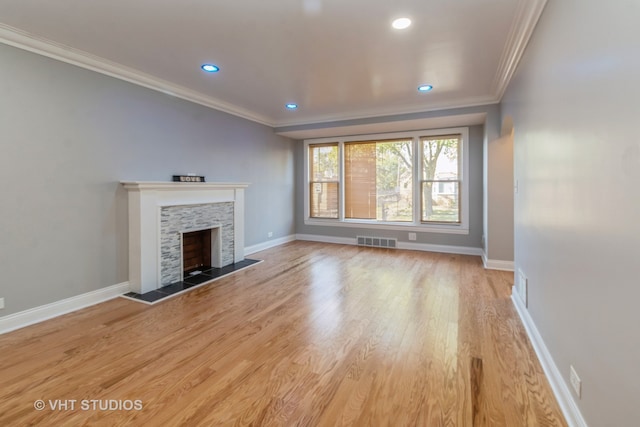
x: 317, y: 335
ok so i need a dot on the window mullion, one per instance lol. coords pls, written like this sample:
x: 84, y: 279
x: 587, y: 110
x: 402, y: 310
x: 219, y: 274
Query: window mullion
x: 341, y: 185
x: 417, y: 179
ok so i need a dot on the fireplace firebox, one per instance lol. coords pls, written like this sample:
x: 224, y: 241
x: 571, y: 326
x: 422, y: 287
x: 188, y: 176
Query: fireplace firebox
x: 196, y: 251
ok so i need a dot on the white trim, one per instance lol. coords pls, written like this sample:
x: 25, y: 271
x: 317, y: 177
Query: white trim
x: 399, y: 124
x: 58, y: 308
x: 529, y: 11
x: 268, y: 244
x: 42, y: 46
x: 384, y: 112
x: 422, y: 228
x: 567, y: 403
x: 171, y: 186
x: 425, y: 247
x: 496, y: 264
x: 445, y: 249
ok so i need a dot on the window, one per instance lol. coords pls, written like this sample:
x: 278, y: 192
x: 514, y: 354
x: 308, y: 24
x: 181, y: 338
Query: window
x: 378, y: 180
x: 440, y: 185
x: 323, y: 180
x: 397, y: 181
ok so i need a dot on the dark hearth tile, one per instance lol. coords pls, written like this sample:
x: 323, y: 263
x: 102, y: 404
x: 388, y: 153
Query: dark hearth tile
x: 197, y: 279
x: 189, y: 282
x: 245, y: 263
x: 200, y: 269
x: 151, y: 296
x: 175, y: 288
x: 219, y: 272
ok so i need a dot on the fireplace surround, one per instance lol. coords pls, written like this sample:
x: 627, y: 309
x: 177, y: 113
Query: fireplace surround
x: 159, y: 215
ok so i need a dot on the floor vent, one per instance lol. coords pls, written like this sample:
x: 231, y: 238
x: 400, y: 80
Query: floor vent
x: 377, y: 242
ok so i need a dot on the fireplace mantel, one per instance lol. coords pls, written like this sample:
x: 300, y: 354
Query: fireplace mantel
x: 147, y: 198
x: 168, y: 186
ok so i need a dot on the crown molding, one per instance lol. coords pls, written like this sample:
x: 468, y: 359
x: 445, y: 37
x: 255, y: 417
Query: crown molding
x: 522, y: 27
x: 389, y: 112
x: 23, y: 40
x: 335, y: 129
x: 527, y: 16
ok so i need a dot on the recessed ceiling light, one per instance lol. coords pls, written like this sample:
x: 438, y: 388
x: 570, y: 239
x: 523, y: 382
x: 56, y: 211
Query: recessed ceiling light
x: 425, y: 88
x: 401, y: 23
x: 291, y: 106
x: 210, y: 68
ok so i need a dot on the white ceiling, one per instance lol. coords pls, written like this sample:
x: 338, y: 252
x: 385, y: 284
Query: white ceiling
x: 337, y: 59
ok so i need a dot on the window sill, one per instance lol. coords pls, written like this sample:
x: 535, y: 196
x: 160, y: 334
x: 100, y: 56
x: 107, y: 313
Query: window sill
x: 422, y: 228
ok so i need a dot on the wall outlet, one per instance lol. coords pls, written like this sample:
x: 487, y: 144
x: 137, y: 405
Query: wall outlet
x: 522, y: 288
x: 1, y: 303
x: 270, y: 234
x: 412, y: 236
x: 576, y: 382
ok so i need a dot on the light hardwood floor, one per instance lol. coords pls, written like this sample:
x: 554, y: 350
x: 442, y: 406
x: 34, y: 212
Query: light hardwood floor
x: 317, y: 335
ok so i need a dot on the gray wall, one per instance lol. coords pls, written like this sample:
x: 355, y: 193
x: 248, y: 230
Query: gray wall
x: 499, y: 199
x: 69, y: 135
x: 473, y: 239
x: 498, y: 195
x: 575, y: 108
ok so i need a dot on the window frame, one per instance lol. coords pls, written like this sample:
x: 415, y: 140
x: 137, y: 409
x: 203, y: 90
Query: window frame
x: 346, y: 175
x: 458, y: 181
x: 416, y: 225
x: 311, y: 181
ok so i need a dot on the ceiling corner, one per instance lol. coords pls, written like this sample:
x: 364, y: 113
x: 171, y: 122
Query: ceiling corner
x: 522, y: 27
x: 41, y: 46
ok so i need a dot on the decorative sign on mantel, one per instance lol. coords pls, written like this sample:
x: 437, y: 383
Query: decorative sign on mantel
x: 188, y: 178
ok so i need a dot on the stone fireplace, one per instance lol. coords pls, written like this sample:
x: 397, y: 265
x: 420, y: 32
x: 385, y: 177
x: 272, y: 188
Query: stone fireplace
x: 161, y: 214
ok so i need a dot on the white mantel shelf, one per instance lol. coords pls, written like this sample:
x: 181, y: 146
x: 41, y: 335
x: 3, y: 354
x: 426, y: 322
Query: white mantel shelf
x: 161, y: 185
x: 146, y: 198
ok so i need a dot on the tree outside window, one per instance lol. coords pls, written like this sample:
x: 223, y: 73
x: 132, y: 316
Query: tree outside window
x: 441, y: 179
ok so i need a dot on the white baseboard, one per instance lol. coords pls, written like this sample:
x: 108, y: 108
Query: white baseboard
x: 426, y: 247
x: 556, y: 380
x: 496, y: 264
x: 58, y: 308
x: 447, y: 249
x: 269, y: 244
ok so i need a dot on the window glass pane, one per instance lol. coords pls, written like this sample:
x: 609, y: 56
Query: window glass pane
x: 440, y: 201
x: 440, y: 195
x: 360, y: 180
x: 440, y: 158
x: 324, y: 200
x: 323, y: 180
x: 378, y: 180
x: 323, y: 162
